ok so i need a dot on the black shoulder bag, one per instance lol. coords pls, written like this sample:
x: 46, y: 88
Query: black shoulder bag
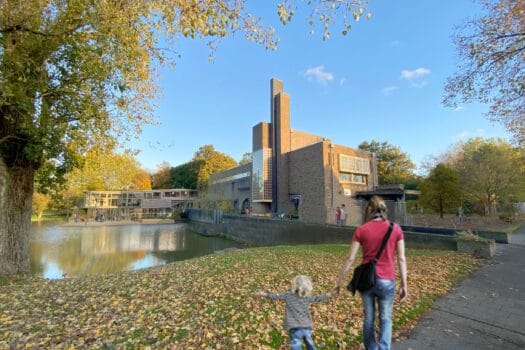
x: 364, y: 276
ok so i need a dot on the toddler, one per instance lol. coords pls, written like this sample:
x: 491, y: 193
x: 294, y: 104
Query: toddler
x: 297, y: 319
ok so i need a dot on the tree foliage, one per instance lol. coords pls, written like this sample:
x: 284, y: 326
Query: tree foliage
x: 209, y: 161
x: 491, y: 172
x: 161, y: 178
x: 492, y: 68
x: 40, y: 203
x: 185, y: 175
x: 393, y: 165
x: 441, y: 190
x: 246, y: 158
x: 75, y: 73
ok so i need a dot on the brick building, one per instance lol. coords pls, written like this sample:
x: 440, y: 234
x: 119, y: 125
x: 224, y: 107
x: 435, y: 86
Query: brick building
x: 296, y: 173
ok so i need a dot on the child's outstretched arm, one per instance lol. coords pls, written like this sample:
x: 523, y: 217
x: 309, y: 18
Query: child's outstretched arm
x: 275, y: 296
x: 322, y: 297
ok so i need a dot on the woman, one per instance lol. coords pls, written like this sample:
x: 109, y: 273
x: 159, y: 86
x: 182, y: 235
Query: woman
x: 370, y: 235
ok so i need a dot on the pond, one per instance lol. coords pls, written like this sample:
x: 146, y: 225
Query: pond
x: 71, y: 251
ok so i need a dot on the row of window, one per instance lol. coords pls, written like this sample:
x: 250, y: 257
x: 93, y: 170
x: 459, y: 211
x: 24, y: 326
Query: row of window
x: 354, y: 164
x: 353, y: 178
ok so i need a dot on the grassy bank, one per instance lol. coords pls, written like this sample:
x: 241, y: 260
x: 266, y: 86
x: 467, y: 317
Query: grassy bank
x: 207, y: 301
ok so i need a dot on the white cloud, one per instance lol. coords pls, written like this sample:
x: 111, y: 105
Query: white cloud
x: 467, y: 134
x: 415, y: 77
x: 387, y: 91
x: 319, y: 75
x: 342, y: 81
x: 459, y: 108
x: 463, y: 135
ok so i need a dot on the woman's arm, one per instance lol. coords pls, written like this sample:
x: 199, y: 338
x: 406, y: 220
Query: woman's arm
x: 402, y: 263
x: 349, y: 260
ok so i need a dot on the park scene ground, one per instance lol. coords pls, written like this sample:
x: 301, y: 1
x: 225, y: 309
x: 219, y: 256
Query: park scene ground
x: 209, y: 302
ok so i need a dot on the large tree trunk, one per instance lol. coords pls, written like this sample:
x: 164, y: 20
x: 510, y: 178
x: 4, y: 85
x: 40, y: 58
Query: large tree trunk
x: 16, y: 190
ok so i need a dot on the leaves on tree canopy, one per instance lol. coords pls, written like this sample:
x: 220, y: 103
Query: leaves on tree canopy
x: 393, y: 165
x: 441, y: 190
x: 492, y: 68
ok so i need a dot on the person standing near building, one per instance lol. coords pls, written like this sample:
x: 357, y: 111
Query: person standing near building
x: 370, y: 236
x: 343, y: 215
x: 461, y: 215
x: 338, y: 216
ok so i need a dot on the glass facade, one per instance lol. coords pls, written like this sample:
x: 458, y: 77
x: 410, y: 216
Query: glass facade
x: 262, y: 175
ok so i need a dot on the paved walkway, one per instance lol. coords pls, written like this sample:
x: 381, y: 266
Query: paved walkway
x: 486, y: 311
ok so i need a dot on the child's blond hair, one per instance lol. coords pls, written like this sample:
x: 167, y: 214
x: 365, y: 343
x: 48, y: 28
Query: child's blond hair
x: 302, y: 286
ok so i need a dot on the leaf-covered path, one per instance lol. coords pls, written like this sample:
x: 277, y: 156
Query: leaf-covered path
x: 207, y: 302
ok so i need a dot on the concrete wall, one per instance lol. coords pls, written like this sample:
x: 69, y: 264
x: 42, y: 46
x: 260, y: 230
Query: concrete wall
x: 267, y: 232
x: 499, y: 237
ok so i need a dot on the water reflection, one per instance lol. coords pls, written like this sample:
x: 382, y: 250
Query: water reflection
x: 74, y: 251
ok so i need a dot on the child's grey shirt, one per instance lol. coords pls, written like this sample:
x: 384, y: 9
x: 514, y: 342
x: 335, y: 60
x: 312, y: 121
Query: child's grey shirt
x: 297, y: 314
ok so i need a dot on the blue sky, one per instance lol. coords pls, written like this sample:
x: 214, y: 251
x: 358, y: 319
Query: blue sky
x: 383, y: 81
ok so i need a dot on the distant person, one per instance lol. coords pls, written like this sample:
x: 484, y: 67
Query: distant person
x: 461, y: 215
x: 297, y: 320
x: 338, y: 216
x: 343, y: 215
x: 370, y: 236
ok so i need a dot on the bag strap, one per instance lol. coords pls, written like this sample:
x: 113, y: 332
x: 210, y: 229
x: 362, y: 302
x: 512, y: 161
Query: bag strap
x: 385, y: 239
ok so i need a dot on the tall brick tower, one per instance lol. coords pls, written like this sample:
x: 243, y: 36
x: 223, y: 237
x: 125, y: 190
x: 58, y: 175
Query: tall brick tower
x: 280, y: 117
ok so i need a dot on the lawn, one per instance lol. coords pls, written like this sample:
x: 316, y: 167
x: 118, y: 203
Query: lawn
x: 208, y: 302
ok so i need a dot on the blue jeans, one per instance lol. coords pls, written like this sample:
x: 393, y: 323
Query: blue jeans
x: 298, y: 335
x: 383, y: 292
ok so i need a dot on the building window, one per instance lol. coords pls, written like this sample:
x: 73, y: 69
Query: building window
x: 354, y: 164
x: 353, y: 178
x: 262, y: 175
x: 345, y: 177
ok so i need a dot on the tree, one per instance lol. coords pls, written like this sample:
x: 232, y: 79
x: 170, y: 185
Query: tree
x: 393, y: 165
x: 441, y: 190
x: 40, y: 203
x: 161, y: 178
x: 209, y: 161
x: 246, y: 158
x: 491, y: 172
x: 142, y: 181
x: 74, y: 73
x: 492, y: 68
x: 185, y: 175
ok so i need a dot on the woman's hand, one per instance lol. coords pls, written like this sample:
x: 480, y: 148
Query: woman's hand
x: 403, y: 293
x: 260, y: 294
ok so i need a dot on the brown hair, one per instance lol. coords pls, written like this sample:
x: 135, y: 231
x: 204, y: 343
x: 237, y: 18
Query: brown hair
x: 376, y: 205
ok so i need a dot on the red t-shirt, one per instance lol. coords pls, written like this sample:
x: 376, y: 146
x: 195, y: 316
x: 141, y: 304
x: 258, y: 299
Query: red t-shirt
x: 370, y: 235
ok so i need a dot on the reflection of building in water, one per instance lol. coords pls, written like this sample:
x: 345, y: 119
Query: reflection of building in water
x: 102, y: 243
x: 136, y: 205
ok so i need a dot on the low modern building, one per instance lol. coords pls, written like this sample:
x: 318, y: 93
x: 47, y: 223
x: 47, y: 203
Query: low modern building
x: 137, y: 204
x: 295, y: 173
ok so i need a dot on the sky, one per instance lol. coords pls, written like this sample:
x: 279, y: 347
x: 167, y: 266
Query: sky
x: 383, y: 81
